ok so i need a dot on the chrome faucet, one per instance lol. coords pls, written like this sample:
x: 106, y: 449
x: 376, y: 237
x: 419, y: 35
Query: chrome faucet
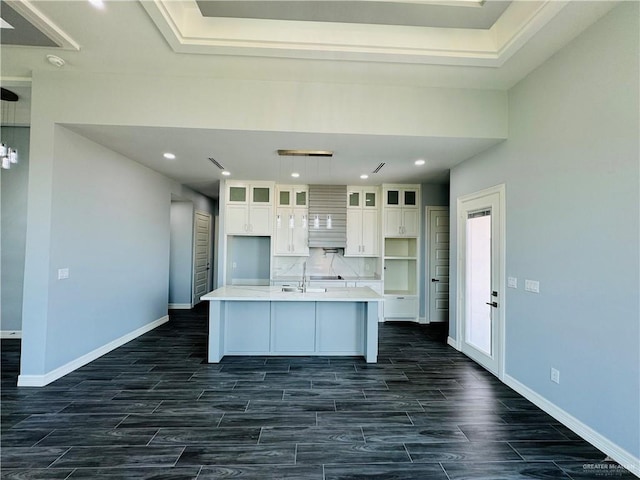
x: 304, y: 276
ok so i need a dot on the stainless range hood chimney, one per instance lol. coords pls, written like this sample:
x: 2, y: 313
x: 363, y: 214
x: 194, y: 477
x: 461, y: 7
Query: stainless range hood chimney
x: 328, y: 201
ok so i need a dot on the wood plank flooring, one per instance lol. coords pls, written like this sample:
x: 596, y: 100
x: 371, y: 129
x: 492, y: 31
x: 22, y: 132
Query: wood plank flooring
x: 154, y: 409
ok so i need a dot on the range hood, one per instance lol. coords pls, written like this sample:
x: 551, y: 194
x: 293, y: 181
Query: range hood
x: 328, y: 201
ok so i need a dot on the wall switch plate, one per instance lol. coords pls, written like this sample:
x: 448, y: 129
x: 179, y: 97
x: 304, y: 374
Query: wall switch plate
x: 512, y: 282
x: 555, y: 375
x: 532, y: 286
x: 63, y: 273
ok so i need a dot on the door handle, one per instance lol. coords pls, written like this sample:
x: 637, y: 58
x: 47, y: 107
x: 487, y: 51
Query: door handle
x: 435, y: 280
x: 493, y: 304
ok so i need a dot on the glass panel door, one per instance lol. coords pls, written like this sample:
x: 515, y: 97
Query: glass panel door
x: 354, y: 199
x: 478, y: 282
x: 481, y: 274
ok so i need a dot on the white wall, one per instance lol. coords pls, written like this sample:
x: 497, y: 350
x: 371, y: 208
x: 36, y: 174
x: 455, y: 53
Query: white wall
x: 269, y: 105
x: 571, y: 171
x: 13, y: 229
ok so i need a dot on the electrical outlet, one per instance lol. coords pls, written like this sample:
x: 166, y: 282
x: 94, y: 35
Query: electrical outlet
x: 234, y: 265
x: 532, y: 286
x: 512, y: 282
x: 63, y: 273
x: 555, y: 375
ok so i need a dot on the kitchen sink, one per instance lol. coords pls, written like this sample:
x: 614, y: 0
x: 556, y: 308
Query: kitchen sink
x: 292, y: 289
x: 300, y: 290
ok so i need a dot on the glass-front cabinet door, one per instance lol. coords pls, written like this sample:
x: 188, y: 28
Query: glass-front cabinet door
x: 354, y: 199
x: 284, y: 198
x: 261, y: 195
x: 237, y: 194
x: 393, y: 198
x: 370, y: 200
x: 409, y: 198
x: 300, y: 198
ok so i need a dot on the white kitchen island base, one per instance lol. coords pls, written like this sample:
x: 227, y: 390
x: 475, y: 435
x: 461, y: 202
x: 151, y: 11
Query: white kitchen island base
x: 267, y: 321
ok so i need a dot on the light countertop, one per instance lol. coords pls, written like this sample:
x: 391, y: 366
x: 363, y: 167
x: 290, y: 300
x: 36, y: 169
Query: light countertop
x: 275, y: 294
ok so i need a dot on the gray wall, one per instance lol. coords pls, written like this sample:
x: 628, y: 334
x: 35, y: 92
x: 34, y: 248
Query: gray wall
x: 433, y: 195
x: 571, y: 171
x: 107, y: 219
x: 14, y: 228
x: 181, y: 253
x: 251, y: 256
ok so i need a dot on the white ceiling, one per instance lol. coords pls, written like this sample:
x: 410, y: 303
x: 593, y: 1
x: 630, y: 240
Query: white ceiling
x: 143, y: 37
x: 252, y: 155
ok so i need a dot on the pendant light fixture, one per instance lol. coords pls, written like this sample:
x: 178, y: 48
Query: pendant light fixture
x: 8, y: 154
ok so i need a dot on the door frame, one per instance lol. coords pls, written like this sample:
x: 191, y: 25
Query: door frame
x: 501, y: 261
x: 427, y: 255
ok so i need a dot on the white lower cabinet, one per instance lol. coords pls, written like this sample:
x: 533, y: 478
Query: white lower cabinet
x: 400, y: 307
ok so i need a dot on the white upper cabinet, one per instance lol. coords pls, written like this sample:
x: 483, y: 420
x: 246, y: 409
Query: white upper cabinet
x: 291, y: 229
x: 363, y: 224
x: 401, y: 210
x: 249, y: 208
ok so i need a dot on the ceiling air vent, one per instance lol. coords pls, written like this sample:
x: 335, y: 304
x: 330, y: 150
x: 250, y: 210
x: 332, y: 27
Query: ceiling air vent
x: 216, y: 163
x: 305, y: 153
x: 379, y: 167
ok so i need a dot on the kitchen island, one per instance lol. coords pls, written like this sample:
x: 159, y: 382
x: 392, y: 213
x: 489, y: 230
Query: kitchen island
x: 256, y: 320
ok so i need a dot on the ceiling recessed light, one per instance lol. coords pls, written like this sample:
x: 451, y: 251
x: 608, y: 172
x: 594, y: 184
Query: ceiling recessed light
x: 295, y: 174
x: 364, y: 176
x: 97, y: 3
x: 419, y: 162
x: 225, y: 173
x: 169, y: 156
x: 55, y: 60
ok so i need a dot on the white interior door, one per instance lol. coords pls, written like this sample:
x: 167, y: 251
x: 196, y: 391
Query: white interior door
x: 201, y: 255
x: 480, y: 277
x: 438, y: 264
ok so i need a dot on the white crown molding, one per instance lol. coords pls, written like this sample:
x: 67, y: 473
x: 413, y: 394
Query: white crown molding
x: 187, y: 31
x: 44, y: 24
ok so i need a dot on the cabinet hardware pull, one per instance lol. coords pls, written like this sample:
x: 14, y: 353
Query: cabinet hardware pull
x: 493, y: 304
x: 435, y: 280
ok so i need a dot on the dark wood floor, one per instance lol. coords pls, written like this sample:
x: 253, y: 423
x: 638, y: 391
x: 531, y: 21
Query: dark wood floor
x: 154, y: 409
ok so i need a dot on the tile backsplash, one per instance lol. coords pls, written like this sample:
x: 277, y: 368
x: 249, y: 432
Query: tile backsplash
x: 321, y: 262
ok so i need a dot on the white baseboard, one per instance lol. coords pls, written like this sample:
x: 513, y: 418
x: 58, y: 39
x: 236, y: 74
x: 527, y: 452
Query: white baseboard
x: 617, y: 453
x: 47, y: 378
x: 423, y: 320
x: 180, y: 306
x: 452, y: 343
x: 10, y: 333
